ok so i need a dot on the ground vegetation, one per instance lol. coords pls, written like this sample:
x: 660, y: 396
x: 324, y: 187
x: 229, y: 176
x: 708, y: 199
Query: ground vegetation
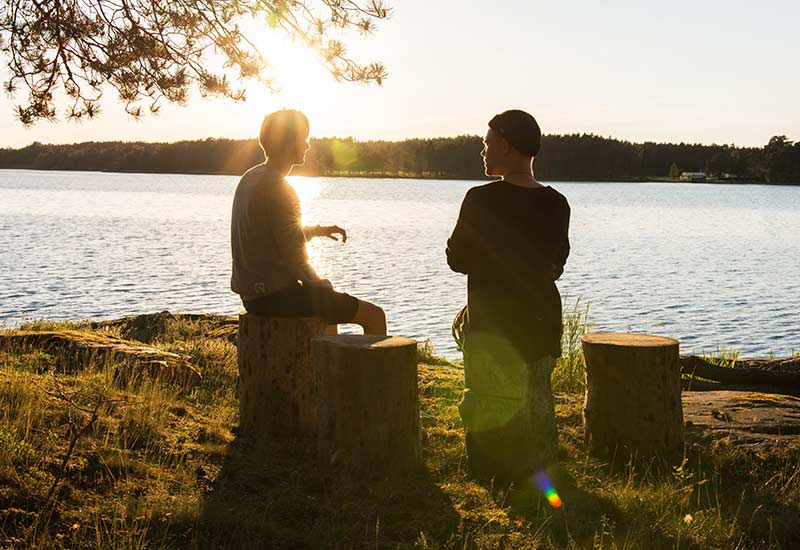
x: 89, y: 459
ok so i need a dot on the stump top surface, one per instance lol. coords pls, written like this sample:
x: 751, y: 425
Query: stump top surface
x: 361, y: 341
x: 628, y: 340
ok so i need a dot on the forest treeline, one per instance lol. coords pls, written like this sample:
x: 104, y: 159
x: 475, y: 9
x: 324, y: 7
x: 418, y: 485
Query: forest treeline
x: 584, y: 157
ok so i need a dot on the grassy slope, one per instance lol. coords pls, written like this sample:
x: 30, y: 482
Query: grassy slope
x: 162, y: 467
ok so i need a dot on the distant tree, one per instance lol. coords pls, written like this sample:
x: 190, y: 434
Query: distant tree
x: 674, y: 171
x: 720, y: 163
x: 778, y: 160
x: 155, y: 50
x: 572, y: 157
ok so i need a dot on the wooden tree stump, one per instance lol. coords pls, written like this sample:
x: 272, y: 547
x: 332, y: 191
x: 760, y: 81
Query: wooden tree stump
x: 368, y: 403
x: 633, y: 395
x: 276, y: 384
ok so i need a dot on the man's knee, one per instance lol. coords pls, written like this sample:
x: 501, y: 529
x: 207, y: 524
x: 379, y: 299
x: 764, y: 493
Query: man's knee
x: 371, y: 317
x: 367, y: 309
x: 378, y: 312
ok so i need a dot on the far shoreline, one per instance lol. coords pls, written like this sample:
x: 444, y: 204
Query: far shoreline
x: 403, y: 176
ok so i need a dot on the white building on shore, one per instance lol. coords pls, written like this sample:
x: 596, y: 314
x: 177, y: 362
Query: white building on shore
x: 693, y: 176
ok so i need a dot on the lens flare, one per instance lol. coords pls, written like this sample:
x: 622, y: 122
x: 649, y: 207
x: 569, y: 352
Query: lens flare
x: 544, y: 484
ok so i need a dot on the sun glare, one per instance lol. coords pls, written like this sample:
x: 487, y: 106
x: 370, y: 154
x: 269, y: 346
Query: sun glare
x: 307, y: 190
x: 302, y: 81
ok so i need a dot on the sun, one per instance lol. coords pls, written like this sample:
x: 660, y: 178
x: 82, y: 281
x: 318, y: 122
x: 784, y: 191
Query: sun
x: 302, y: 81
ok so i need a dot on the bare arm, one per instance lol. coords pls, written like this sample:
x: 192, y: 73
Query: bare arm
x: 329, y: 231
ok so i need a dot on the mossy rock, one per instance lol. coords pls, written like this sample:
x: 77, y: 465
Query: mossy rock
x: 74, y: 351
x: 163, y: 326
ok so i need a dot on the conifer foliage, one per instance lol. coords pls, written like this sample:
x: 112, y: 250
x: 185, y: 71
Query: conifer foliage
x: 151, y: 51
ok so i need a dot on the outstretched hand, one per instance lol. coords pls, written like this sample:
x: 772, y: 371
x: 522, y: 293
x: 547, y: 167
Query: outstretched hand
x: 331, y: 231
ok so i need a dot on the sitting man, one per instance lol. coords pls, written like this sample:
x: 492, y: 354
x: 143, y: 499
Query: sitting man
x: 511, y: 240
x: 271, y: 271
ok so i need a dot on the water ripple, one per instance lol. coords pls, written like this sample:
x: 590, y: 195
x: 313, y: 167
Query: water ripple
x: 711, y: 265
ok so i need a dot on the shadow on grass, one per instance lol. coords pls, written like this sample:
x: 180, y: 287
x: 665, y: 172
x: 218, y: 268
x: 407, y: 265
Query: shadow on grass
x: 754, y: 488
x: 583, y: 519
x: 277, y: 496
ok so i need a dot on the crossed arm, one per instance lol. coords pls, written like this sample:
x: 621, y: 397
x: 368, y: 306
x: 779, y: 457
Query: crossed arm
x: 469, y: 251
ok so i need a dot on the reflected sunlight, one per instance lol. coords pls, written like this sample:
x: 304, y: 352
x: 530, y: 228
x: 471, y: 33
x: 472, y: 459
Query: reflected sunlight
x: 307, y: 190
x: 317, y: 258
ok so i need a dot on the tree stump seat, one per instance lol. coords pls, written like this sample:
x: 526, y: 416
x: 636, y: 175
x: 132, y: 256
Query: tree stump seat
x: 633, y: 395
x: 276, y: 384
x: 368, y: 404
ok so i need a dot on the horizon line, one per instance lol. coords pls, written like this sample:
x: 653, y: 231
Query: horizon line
x: 377, y: 140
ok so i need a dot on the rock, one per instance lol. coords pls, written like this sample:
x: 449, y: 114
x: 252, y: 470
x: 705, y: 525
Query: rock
x: 147, y: 327
x: 150, y: 327
x: 743, y: 417
x: 75, y: 350
x: 228, y: 331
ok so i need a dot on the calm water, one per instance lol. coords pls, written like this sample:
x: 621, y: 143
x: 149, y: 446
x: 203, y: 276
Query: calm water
x: 712, y: 265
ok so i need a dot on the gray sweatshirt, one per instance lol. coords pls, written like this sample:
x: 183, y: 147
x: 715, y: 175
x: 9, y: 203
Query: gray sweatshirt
x: 268, y: 245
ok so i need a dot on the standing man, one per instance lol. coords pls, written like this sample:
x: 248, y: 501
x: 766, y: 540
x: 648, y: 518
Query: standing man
x: 271, y: 271
x: 511, y: 240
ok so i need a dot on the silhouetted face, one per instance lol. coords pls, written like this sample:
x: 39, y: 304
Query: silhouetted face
x: 299, y: 148
x: 495, y: 152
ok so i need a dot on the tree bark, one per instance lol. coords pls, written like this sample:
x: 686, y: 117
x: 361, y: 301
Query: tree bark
x: 276, y: 384
x: 753, y: 375
x: 633, y: 395
x: 368, y: 403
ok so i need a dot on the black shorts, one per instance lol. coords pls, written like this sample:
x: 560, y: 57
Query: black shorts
x: 299, y: 300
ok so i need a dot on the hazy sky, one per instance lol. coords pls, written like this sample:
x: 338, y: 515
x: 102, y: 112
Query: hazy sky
x: 696, y: 71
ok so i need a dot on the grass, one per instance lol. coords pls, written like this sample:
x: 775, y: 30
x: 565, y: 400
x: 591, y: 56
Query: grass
x: 569, y: 374
x: 724, y: 357
x: 427, y: 355
x: 162, y: 467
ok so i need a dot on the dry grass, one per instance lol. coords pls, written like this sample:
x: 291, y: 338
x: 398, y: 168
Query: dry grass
x: 163, y: 468
x: 569, y: 375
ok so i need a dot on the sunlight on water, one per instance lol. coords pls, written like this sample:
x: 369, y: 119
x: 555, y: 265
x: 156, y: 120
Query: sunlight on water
x: 711, y: 265
x: 307, y: 190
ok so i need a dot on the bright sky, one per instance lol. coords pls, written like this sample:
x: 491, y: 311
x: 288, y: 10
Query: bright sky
x: 679, y: 70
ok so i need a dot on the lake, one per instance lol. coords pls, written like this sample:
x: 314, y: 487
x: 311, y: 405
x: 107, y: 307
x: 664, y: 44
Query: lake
x: 712, y: 265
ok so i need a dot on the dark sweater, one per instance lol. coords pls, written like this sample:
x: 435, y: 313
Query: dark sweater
x: 512, y: 242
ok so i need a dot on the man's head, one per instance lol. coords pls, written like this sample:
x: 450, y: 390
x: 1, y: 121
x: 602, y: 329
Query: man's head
x: 513, y: 139
x: 284, y: 136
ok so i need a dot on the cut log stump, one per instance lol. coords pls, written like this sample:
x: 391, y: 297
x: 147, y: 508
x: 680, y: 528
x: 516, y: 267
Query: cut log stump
x: 633, y: 395
x: 276, y: 384
x: 368, y: 404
